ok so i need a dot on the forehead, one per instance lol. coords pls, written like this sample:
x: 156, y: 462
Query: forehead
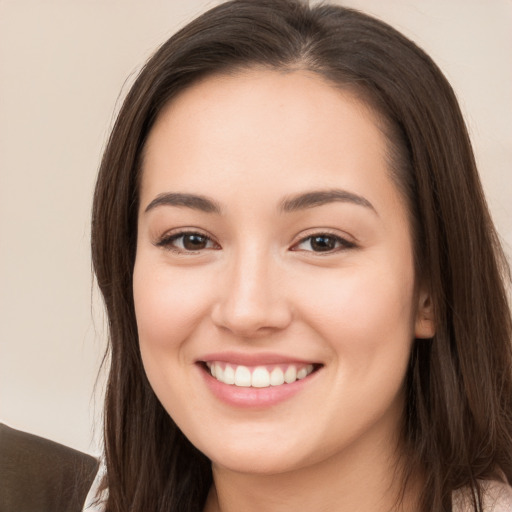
x: 267, y: 130
x: 300, y: 95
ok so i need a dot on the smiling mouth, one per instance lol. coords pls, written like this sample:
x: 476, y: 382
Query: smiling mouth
x: 259, y: 376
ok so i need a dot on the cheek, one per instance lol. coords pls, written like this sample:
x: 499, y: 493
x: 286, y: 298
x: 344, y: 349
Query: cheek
x: 169, y: 305
x: 167, y: 302
x: 367, y: 319
x: 366, y: 313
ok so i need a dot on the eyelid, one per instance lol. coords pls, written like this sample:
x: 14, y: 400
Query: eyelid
x: 165, y: 240
x: 347, y: 241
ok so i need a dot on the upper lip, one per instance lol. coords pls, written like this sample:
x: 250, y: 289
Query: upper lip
x: 255, y: 359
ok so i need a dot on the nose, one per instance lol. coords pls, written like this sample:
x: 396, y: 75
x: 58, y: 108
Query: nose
x: 251, y: 297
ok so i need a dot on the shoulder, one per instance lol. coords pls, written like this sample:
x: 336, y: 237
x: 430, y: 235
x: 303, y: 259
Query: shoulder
x: 496, y: 497
x: 39, y: 475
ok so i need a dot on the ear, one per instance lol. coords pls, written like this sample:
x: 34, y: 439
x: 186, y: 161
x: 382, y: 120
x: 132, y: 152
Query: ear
x: 425, y: 326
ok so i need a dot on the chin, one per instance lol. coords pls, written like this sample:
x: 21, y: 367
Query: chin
x: 255, y: 463
x: 267, y: 456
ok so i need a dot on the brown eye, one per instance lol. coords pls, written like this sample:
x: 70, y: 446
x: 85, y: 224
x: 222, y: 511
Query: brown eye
x: 323, y: 242
x: 194, y: 242
x: 188, y: 242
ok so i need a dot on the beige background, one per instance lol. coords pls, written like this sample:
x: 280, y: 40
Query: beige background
x: 62, y: 66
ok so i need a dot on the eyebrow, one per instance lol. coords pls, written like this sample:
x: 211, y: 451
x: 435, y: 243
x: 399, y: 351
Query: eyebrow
x: 291, y: 204
x: 193, y: 201
x: 321, y: 197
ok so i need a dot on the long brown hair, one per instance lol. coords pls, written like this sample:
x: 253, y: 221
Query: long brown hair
x: 458, y: 418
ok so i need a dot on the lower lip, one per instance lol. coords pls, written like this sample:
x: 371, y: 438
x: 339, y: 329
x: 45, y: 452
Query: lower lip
x: 247, y: 397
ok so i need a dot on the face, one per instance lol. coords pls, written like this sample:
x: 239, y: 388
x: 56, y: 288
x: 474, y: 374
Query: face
x: 274, y: 251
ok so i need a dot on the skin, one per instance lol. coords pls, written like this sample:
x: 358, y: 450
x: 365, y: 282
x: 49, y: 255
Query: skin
x: 249, y: 142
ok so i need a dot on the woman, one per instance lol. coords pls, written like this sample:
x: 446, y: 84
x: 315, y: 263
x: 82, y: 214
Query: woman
x: 305, y: 291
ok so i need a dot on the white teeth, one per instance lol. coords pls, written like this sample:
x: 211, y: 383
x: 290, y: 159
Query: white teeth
x: 302, y: 373
x: 290, y: 375
x: 243, y: 377
x: 276, y: 377
x: 219, y: 372
x: 229, y: 375
x: 258, y: 377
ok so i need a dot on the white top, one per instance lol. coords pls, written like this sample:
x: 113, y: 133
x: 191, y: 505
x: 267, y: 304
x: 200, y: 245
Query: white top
x: 92, y: 503
x: 497, y: 497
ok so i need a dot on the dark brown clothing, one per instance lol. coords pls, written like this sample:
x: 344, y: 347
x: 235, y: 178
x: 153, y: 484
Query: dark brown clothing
x: 39, y: 475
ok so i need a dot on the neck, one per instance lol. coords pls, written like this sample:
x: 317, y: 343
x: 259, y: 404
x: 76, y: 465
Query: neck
x: 350, y: 481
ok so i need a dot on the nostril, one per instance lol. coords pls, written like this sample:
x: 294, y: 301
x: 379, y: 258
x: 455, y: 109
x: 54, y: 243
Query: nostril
x: 249, y: 326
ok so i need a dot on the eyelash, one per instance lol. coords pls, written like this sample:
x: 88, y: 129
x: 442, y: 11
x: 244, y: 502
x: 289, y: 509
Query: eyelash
x: 342, y: 243
x: 167, y: 242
